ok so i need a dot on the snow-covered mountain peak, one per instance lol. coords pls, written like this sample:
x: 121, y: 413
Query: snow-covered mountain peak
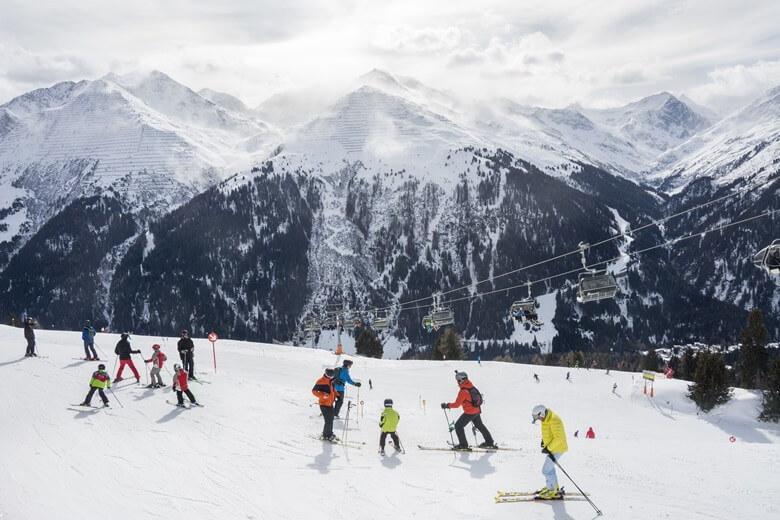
x: 224, y: 100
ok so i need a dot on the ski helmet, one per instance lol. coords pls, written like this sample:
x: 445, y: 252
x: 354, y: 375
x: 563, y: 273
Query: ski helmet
x: 460, y: 376
x: 125, y: 335
x: 156, y: 346
x: 388, y: 402
x: 538, y: 412
x: 86, y: 322
x: 176, y: 366
x: 330, y: 373
x: 185, y: 333
x: 347, y: 362
x: 101, y: 366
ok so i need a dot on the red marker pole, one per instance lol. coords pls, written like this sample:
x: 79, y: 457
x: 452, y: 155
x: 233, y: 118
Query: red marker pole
x: 213, y: 339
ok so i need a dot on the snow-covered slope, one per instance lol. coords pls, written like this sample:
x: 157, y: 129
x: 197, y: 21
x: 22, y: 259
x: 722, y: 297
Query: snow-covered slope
x: 248, y: 453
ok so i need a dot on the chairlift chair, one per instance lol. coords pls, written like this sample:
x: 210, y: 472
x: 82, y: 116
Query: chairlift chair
x: 442, y: 316
x: 349, y: 323
x: 381, y: 320
x: 329, y: 323
x: 524, y: 311
x: 768, y: 258
x: 595, y: 286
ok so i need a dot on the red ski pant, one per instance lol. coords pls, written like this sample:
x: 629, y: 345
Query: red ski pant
x: 128, y: 362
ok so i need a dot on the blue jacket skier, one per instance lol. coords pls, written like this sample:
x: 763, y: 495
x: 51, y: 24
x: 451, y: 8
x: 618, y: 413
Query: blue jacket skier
x: 342, y: 377
x: 88, y: 336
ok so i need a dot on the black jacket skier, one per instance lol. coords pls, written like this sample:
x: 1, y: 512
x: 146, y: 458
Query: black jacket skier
x: 29, y: 335
x: 123, y: 348
x: 187, y: 353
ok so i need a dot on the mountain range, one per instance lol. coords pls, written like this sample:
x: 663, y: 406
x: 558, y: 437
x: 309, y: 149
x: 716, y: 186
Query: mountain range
x: 144, y: 205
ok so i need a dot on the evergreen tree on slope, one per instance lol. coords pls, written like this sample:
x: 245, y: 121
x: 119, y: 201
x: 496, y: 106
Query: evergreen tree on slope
x: 770, y: 411
x: 754, y: 355
x: 710, y: 382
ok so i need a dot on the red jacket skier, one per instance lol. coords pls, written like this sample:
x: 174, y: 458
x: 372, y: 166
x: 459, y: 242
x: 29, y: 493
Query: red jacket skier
x: 181, y: 387
x: 471, y: 400
x: 590, y: 434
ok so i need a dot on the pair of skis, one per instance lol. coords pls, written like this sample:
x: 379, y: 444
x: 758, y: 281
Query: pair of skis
x: 505, y: 497
x: 187, y: 406
x: 339, y: 442
x: 472, y: 449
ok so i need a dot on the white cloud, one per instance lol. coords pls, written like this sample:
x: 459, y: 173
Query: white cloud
x: 410, y: 40
x: 730, y: 87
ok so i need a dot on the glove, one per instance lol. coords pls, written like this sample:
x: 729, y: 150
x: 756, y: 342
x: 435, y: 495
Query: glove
x: 545, y: 450
x: 444, y: 406
x: 147, y: 360
x: 358, y: 384
x: 136, y: 352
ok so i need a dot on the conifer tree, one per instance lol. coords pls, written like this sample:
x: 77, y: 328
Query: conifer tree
x: 650, y: 361
x: 770, y: 412
x: 368, y: 345
x: 754, y: 355
x: 448, y: 346
x: 688, y: 365
x: 710, y: 381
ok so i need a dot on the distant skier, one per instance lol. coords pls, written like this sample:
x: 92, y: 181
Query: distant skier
x: 389, y: 423
x: 29, y: 335
x: 339, y: 383
x: 124, y: 350
x: 568, y: 375
x: 100, y: 380
x: 157, y: 360
x: 614, y: 388
x: 181, y: 387
x: 479, y: 360
x: 471, y: 401
x: 88, y: 336
x: 590, y: 434
x: 187, y: 353
x: 370, y: 385
x: 325, y: 393
x: 553, y: 445
x: 576, y: 433
x: 536, y: 378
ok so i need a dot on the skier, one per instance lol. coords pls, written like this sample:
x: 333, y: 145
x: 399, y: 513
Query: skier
x: 553, y: 445
x: 29, y: 335
x: 342, y: 377
x: 614, y: 388
x: 536, y: 378
x: 88, y: 335
x: 123, y: 350
x: 389, y: 423
x: 370, y: 385
x: 471, y: 401
x: 187, y: 353
x: 158, y: 358
x: 323, y: 390
x: 100, y: 380
x: 479, y: 360
x: 568, y: 375
x: 181, y: 387
x: 590, y: 434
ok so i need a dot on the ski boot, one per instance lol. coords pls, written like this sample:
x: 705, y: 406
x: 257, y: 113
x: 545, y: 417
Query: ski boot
x: 548, y: 494
x: 85, y: 404
x: 118, y: 379
x: 461, y: 447
x: 489, y: 445
x: 180, y: 405
x: 138, y: 380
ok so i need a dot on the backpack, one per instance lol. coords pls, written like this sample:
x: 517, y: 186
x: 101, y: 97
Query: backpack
x: 337, y: 381
x: 476, y: 397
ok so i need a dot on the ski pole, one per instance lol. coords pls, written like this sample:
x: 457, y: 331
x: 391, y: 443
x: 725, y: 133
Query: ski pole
x: 146, y: 368
x: 474, y: 431
x: 100, y: 349
x: 598, y: 511
x: 115, y: 360
x: 449, y: 425
x: 115, y: 397
x: 346, y: 422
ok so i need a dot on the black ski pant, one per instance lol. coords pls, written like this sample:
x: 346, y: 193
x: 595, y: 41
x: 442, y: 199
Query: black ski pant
x: 92, y: 392
x: 180, y: 396
x: 188, y: 363
x: 30, y: 348
x: 327, y: 416
x: 87, y: 347
x: 339, y: 401
x: 393, y: 436
x: 476, y: 418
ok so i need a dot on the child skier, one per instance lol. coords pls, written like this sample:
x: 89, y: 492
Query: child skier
x: 158, y: 358
x: 471, y: 401
x: 340, y: 381
x: 100, y: 380
x: 181, y: 387
x: 325, y: 393
x: 389, y: 423
x: 553, y: 445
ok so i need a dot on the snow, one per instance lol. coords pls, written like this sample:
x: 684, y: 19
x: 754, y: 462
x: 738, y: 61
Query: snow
x: 247, y: 454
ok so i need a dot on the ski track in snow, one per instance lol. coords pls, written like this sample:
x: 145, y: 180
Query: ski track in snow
x: 248, y: 453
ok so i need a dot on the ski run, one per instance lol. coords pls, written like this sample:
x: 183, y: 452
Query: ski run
x: 253, y: 451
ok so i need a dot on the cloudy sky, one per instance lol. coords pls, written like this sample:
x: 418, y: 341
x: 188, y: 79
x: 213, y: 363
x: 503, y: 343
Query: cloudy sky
x: 593, y: 52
